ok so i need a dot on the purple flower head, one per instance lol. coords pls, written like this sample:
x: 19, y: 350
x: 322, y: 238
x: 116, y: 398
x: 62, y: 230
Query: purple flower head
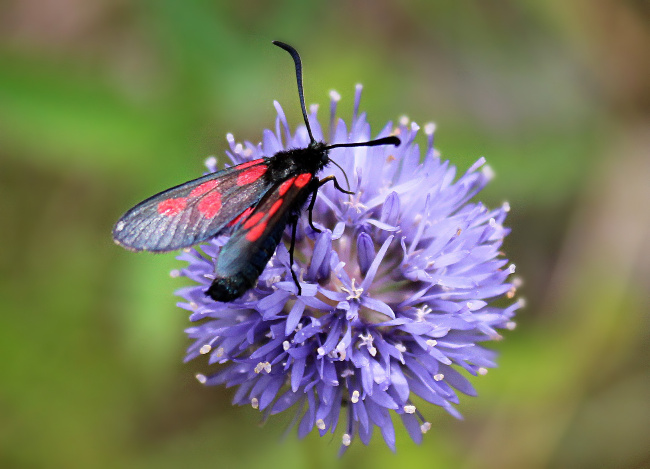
x: 396, y: 290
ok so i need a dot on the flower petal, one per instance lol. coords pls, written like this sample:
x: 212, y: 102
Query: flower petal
x: 372, y: 270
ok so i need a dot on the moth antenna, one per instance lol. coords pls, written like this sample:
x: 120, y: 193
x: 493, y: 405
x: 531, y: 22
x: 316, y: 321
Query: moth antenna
x: 296, y: 60
x: 392, y: 140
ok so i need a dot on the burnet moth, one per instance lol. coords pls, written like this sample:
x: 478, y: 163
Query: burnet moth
x: 253, y: 202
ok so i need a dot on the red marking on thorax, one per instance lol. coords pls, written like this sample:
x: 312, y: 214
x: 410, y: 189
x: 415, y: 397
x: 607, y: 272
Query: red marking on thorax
x: 253, y: 220
x: 303, y: 179
x: 210, y: 205
x: 203, y: 188
x: 255, y: 233
x: 251, y: 175
x: 241, y: 217
x: 171, y: 207
x: 249, y: 163
x: 284, y: 187
x: 274, y: 208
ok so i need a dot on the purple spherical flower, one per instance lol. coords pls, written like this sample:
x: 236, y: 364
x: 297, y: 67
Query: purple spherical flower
x: 397, y: 290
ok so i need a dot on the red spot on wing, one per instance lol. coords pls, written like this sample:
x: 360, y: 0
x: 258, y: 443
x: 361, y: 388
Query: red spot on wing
x: 275, y: 207
x: 256, y: 232
x: 203, y: 188
x: 253, y: 220
x: 249, y: 163
x: 251, y: 175
x: 210, y: 205
x: 303, y: 179
x: 171, y: 207
x: 284, y: 187
x: 242, y: 216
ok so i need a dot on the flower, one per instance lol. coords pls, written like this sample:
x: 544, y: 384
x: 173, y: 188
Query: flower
x: 397, y: 290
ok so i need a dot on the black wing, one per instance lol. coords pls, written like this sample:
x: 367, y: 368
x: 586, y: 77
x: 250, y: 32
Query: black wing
x: 194, y: 211
x: 243, y: 258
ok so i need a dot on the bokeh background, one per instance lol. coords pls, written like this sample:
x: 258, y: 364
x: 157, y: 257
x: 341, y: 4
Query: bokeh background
x: 104, y: 102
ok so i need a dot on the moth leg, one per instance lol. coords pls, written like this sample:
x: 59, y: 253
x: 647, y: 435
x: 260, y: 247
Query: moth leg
x: 310, y: 209
x: 294, y: 226
x: 317, y: 186
x: 336, y: 184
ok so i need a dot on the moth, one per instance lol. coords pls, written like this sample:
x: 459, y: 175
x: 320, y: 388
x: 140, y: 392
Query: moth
x: 254, y: 201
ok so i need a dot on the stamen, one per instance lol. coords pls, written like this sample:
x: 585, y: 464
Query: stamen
x: 211, y: 163
x: 488, y: 172
x: 340, y: 348
x: 367, y: 341
x: 263, y: 366
x: 230, y: 138
x: 355, y: 203
x: 422, y: 312
x: 354, y: 293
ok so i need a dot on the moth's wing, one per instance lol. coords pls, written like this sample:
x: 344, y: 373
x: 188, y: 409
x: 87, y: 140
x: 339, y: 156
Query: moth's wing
x: 194, y: 211
x: 255, y: 237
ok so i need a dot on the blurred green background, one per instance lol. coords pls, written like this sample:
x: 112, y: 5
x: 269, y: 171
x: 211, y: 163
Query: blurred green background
x: 103, y: 103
